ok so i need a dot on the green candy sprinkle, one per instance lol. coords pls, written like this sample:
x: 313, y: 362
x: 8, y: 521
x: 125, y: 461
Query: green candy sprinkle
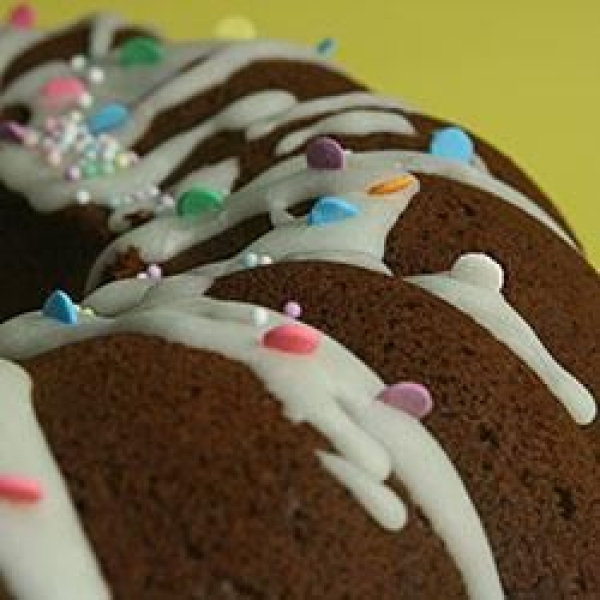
x: 140, y: 51
x: 90, y: 170
x: 198, y: 200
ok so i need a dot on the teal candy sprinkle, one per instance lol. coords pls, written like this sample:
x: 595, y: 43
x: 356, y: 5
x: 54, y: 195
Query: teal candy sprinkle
x: 331, y: 209
x: 326, y: 47
x: 198, y: 200
x: 60, y: 307
x: 141, y: 51
x: 453, y: 143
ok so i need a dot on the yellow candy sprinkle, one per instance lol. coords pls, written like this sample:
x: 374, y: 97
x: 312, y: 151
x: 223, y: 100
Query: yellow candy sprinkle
x: 86, y: 310
x: 236, y: 27
x: 392, y: 185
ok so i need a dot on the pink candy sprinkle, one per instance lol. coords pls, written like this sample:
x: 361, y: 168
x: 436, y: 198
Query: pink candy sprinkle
x: 11, y: 130
x: 292, y: 338
x: 64, y: 90
x: 73, y: 173
x: 15, y: 488
x: 292, y: 309
x: 412, y: 398
x: 22, y: 16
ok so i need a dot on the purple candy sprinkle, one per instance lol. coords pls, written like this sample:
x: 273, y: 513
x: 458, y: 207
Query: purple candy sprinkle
x: 412, y: 398
x: 292, y: 309
x: 325, y: 153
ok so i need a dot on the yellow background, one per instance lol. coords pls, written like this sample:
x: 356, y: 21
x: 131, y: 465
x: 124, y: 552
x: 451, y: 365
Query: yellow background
x: 523, y: 73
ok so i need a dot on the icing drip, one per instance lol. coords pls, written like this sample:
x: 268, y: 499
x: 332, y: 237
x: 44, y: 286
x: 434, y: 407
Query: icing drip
x: 421, y: 162
x: 13, y: 42
x: 474, y: 286
x: 352, y: 122
x: 189, y: 69
x: 329, y: 389
x: 44, y: 554
x: 319, y: 106
x: 288, y: 183
x: 360, y: 240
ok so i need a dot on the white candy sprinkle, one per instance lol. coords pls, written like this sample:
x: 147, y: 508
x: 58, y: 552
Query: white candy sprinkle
x: 86, y: 100
x: 31, y: 139
x: 83, y: 196
x: 260, y: 316
x: 266, y: 260
x: 96, y: 75
x: 78, y: 62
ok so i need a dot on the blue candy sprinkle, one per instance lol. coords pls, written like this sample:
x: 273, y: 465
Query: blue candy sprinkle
x: 60, y: 307
x: 112, y: 116
x: 326, y: 47
x: 331, y: 210
x: 453, y: 143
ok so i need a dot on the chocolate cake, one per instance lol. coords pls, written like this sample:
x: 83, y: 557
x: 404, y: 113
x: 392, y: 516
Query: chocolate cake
x: 286, y: 337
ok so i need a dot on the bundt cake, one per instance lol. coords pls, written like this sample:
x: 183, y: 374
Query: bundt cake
x: 270, y: 335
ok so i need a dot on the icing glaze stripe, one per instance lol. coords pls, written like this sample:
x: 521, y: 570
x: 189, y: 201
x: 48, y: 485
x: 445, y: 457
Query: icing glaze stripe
x: 44, y: 554
x: 329, y: 389
x: 474, y: 286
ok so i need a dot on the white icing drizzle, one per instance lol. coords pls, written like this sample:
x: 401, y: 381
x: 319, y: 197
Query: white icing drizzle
x: 359, y: 240
x: 379, y: 501
x: 319, y: 106
x: 422, y: 162
x: 159, y: 88
x: 331, y: 390
x: 290, y: 182
x: 221, y: 65
x: 474, y: 286
x: 220, y: 176
x: 104, y: 27
x: 352, y: 122
x: 44, y: 554
x: 13, y: 42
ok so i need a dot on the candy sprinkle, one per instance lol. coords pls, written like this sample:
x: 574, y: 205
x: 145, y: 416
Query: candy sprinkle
x: 325, y: 153
x: 453, y: 143
x: 63, y: 91
x: 292, y: 309
x: 250, y: 260
x: 331, y: 209
x: 292, y: 338
x: 109, y: 117
x: 199, y: 200
x: 78, y: 62
x: 235, y: 27
x: 391, y: 186
x: 22, y: 16
x: 12, y: 131
x: 412, y: 398
x: 154, y: 271
x: 260, y: 316
x: 83, y: 196
x: 61, y: 308
x: 480, y: 270
x: 326, y: 47
x: 96, y: 75
x: 141, y: 51
x: 16, y: 488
